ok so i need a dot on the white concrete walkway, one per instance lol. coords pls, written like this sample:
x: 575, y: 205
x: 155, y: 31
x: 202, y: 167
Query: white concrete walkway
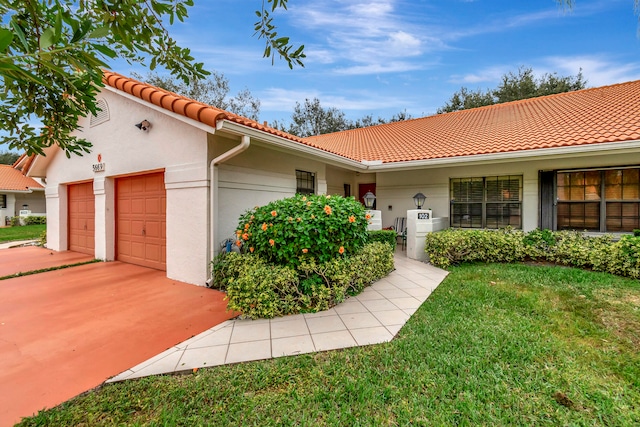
x: 17, y: 243
x: 375, y: 316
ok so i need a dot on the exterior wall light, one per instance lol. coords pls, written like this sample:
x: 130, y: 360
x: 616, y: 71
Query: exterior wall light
x: 419, y: 199
x: 144, y: 125
x: 369, y: 200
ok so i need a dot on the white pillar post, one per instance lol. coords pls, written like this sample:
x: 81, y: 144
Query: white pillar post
x: 375, y: 222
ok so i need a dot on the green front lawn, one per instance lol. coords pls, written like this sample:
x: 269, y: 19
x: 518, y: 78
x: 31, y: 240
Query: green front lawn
x: 27, y: 232
x: 493, y: 345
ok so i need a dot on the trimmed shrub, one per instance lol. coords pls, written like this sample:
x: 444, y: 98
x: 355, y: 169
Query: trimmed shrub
x: 570, y: 248
x: 383, y: 236
x: 259, y: 289
x: 290, y: 230
x: 15, y: 221
x: 452, y: 247
x: 31, y: 220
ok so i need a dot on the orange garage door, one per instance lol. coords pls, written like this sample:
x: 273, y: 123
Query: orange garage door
x: 141, y: 220
x: 81, y: 218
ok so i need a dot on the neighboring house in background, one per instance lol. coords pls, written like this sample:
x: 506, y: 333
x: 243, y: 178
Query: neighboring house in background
x: 19, y: 192
x: 167, y: 196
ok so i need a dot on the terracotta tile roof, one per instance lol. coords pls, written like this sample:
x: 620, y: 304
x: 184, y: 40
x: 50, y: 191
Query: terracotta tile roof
x: 590, y: 116
x: 184, y: 106
x: 12, y: 179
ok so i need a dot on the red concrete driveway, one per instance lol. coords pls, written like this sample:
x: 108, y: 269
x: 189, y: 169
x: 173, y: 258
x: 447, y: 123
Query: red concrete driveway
x: 64, y: 332
x: 31, y: 258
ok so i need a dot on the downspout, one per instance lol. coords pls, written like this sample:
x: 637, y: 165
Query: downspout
x: 213, y: 186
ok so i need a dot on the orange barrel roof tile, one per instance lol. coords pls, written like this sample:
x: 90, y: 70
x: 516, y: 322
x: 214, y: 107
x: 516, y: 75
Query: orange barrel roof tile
x: 11, y: 179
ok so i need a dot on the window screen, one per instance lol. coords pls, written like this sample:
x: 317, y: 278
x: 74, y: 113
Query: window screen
x: 305, y: 182
x: 486, y: 202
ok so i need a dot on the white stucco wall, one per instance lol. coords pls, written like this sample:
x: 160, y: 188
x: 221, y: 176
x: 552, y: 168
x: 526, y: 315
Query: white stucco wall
x: 15, y: 200
x: 396, y: 189
x: 172, y: 146
x: 257, y: 177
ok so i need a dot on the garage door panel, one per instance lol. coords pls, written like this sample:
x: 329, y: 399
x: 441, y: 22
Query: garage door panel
x: 124, y: 206
x: 153, y: 229
x: 153, y: 206
x: 81, y: 218
x: 138, y: 206
x: 141, y: 233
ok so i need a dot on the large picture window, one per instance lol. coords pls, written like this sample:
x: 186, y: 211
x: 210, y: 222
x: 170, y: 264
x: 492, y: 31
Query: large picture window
x: 305, y: 182
x: 599, y: 200
x: 486, y: 202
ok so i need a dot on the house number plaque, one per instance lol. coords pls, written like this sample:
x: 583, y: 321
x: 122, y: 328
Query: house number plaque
x: 423, y: 215
x: 98, y: 167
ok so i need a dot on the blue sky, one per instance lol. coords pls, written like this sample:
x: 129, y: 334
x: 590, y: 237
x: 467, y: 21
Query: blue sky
x: 381, y: 57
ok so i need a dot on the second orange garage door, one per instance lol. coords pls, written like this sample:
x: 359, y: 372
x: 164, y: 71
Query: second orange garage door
x: 141, y: 220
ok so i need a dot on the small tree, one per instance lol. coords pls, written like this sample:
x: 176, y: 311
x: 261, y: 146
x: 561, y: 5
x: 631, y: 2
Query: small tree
x: 513, y: 87
x: 8, y: 157
x: 212, y: 91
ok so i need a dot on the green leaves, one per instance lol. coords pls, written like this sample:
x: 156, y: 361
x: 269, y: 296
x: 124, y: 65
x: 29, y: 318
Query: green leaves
x: 47, y: 39
x: 260, y: 289
x: 52, y: 55
x: 312, y: 226
x: 274, y: 44
x: 6, y: 37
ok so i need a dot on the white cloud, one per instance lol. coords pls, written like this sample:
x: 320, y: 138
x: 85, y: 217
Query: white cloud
x: 378, y: 68
x: 366, y: 35
x: 280, y: 99
x: 490, y: 74
x: 598, y: 70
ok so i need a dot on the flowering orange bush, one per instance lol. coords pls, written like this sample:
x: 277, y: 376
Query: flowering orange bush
x: 312, y: 226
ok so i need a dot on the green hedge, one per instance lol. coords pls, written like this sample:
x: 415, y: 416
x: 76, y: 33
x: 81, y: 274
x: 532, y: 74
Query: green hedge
x: 32, y: 220
x: 570, y: 248
x: 383, y: 236
x: 260, y: 289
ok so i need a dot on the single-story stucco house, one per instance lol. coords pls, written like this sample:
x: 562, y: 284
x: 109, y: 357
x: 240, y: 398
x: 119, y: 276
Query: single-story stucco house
x: 168, y: 177
x: 19, y: 194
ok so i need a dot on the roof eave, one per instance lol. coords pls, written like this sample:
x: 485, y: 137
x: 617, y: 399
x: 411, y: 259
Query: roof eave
x: 280, y: 142
x: 523, y: 155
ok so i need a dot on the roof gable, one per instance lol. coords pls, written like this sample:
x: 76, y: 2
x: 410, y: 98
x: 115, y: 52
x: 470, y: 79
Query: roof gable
x: 184, y: 106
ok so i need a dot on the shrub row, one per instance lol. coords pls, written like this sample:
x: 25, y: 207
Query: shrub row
x: 260, y: 289
x: 32, y: 220
x: 570, y: 248
x: 17, y: 221
x: 383, y: 236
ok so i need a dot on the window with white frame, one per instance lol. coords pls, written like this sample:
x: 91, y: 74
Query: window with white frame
x: 486, y: 202
x: 305, y: 182
x: 3, y: 201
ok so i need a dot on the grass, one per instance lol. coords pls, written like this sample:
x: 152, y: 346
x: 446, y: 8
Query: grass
x: 493, y: 345
x: 27, y: 232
